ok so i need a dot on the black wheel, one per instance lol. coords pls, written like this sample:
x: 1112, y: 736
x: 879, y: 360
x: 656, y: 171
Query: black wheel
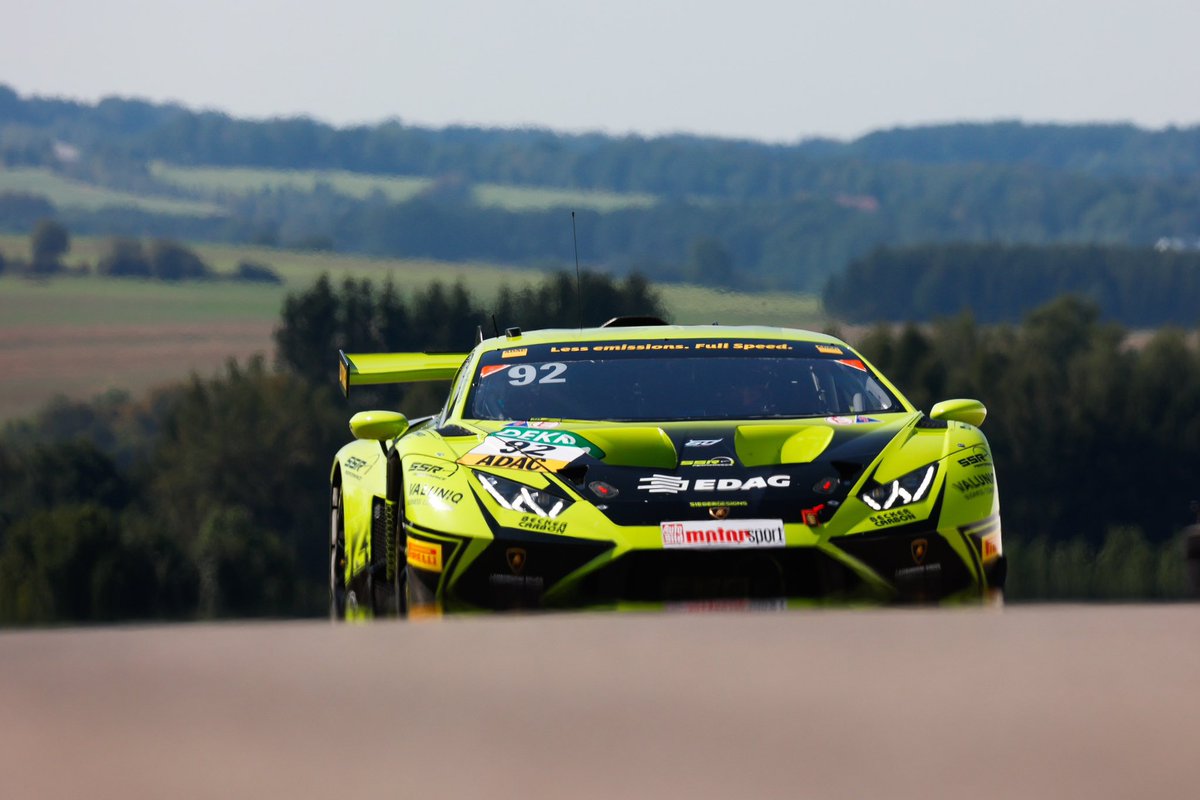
x: 337, y: 554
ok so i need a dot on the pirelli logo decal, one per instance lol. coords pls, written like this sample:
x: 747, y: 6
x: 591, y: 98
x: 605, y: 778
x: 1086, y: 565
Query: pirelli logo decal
x: 425, y: 555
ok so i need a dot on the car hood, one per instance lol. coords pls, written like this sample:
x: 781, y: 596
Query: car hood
x: 645, y: 473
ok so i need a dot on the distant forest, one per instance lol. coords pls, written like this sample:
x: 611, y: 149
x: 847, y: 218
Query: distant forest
x: 996, y: 283
x: 723, y: 212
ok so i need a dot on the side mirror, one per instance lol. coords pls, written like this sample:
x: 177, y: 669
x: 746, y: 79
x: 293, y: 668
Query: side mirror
x: 971, y: 412
x: 378, y: 425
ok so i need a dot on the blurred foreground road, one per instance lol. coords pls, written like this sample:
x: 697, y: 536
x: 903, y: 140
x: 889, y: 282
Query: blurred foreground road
x: 1053, y: 702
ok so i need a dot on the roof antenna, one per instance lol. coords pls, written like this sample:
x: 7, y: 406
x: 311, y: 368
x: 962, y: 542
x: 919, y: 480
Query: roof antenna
x: 495, y: 327
x: 578, y: 283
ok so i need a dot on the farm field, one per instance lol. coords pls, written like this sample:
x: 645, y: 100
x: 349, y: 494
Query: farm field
x: 67, y: 193
x: 215, y: 181
x: 81, y: 336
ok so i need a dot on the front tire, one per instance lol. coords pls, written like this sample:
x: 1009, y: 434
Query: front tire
x: 337, y: 553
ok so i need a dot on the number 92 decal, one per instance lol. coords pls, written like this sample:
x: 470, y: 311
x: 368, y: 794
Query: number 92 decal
x: 526, y: 374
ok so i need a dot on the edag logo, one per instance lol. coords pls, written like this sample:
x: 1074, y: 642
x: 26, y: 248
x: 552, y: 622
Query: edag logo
x: 669, y: 484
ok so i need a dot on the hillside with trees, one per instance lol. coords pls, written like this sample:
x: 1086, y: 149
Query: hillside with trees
x: 1141, y: 287
x: 768, y: 215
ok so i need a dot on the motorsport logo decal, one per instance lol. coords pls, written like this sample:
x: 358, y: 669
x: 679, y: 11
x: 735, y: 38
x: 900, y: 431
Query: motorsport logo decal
x: 742, y: 533
x: 855, y: 420
x: 670, y: 484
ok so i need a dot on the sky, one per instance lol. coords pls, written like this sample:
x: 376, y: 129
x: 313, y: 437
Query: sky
x: 773, y: 70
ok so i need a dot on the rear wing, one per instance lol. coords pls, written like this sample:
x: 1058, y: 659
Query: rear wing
x: 365, y: 369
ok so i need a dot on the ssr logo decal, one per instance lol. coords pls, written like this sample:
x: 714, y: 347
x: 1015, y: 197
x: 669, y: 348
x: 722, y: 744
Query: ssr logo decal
x: 669, y: 484
x: 425, y: 555
x: 719, y: 461
x: 744, y: 533
x: 427, y: 469
x: 893, y: 518
x: 531, y: 522
x: 355, y: 464
x: 977, y: 458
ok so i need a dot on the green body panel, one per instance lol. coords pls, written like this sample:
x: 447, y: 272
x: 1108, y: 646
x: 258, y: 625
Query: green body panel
x: 451, y: 519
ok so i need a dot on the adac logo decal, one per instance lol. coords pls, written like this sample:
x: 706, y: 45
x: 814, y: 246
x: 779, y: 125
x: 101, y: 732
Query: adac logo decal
x: 515, y: 353
x: 425, y: 555
x: 516, y: 558
x: 830, y: 350
x: 523, y: 454
x: 670, y: 484
x: 919, y: 547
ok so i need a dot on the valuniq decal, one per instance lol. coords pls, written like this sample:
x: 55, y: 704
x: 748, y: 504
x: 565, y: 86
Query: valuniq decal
x: 976, y: 485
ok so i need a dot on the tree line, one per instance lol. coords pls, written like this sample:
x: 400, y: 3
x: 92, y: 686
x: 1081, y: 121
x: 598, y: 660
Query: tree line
x: 126, y: 257
x: 1142, y: 287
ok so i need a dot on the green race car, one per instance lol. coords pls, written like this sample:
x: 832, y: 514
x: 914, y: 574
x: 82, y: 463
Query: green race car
x: 648, y: 464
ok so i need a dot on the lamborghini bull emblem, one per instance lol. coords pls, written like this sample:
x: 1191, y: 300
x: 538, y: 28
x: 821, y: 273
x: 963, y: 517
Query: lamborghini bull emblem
x: 719, y: 512
x: 516, y: 559
x: 919, y: 548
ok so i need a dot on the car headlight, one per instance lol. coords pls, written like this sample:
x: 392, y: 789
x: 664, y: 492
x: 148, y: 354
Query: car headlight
x: 519, y: 497
x: 910, y: 488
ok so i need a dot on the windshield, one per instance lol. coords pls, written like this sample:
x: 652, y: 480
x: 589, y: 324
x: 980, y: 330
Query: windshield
x: 674, y: 380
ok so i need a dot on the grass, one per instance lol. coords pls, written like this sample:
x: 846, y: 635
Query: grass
x: 72, y: 194
x: 214, y: 182
x: 84, y: 335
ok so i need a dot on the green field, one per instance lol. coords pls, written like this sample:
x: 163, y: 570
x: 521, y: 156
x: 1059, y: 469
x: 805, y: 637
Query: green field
x: 214, y: 182
x: 72, y: 194
x: 83, y: 335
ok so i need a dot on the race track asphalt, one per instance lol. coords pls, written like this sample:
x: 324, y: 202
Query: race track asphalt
x: 1021, y: 702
